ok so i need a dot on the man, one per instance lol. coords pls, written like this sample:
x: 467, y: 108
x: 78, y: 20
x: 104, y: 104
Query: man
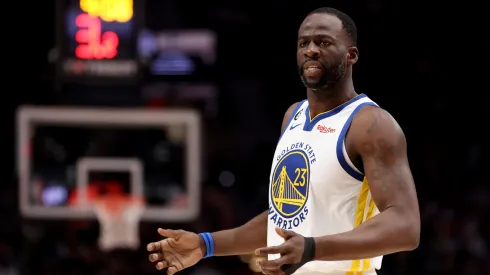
x: 341, y: 190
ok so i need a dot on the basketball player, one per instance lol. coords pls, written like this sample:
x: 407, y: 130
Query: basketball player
x: 341, y: 192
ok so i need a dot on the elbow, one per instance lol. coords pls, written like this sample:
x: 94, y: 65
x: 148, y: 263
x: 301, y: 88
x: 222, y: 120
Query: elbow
x: 411, y: 230
x: 407, y: 233
x: 413, y: 239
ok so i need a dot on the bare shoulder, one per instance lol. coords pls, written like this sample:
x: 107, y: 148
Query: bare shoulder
x: 288, y: 115
x: 290, y: 110
x: 374, y: 130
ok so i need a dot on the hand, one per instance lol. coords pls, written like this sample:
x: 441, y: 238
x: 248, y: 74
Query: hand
x: 291, y: 252
x: 179, y: 250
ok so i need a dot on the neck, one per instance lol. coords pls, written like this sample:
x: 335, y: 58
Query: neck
x: 321, y: 101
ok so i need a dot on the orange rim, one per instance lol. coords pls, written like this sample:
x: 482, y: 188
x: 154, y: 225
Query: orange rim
x: 115, y: 204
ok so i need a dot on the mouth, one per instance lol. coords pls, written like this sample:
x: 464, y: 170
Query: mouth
x: 312, y: 69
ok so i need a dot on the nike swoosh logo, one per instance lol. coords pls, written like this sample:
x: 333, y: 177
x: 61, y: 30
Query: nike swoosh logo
x: 294, y: 126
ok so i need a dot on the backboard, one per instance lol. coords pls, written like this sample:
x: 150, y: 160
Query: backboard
x: 68, y: 156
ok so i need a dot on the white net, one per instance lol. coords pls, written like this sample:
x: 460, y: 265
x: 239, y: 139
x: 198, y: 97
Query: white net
x: 119, y: 223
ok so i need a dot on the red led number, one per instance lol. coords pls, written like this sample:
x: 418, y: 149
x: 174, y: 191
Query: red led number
x: 92, y: 43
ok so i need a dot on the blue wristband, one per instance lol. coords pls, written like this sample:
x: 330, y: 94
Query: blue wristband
x: 208, y: 240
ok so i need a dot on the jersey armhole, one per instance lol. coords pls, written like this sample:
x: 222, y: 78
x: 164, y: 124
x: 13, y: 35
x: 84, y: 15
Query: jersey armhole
x: 342, y: 155
x: 347, y: 158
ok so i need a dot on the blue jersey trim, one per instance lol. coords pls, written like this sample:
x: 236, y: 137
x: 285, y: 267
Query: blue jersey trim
x: 340, y: 143
x: 310, y: 124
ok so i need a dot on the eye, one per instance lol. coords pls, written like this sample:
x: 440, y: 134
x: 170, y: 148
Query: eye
x: 302, y: 44
x: 325, y: 43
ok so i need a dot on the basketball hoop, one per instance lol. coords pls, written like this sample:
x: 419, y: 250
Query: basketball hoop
x: 119, y: 217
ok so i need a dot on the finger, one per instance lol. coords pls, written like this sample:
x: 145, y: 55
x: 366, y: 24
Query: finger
x: 161, y: 265
x: 274, y: 264
x: 169, y: 233
x: 272, y: 271
x: 155, y: 246
x: 155, y: 257
x: 283, y: 233
x: 270, y: 250
x: 172, y: 270
x: 266, y: 266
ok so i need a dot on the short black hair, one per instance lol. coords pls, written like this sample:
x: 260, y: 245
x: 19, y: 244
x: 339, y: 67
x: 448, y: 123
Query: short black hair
x: 347, y: 23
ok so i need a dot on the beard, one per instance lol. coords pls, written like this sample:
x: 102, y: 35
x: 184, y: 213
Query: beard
x: 331, y: 75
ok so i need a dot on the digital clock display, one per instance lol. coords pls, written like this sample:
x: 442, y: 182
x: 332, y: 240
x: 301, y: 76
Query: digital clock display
x: 98, y: 39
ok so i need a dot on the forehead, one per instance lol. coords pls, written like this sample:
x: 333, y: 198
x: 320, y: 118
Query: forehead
x: 321, y: 23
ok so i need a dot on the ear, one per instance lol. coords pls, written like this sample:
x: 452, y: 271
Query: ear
x: 352, y: 55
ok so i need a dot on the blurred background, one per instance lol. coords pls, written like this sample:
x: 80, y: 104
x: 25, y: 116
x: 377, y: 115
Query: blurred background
x: 191, y: 95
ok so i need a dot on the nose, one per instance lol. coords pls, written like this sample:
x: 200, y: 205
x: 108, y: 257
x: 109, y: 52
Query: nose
x: 312, y: 51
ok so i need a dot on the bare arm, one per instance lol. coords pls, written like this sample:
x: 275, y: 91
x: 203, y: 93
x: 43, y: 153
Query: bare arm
x: 247, y: 238
x: 380, y: 142
x: 243, y: 239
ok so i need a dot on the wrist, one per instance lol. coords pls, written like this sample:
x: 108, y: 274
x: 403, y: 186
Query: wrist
x: 325, y: 248
x: 202, y: 245
x: 318, y: 252
x: 309, y: 251
x: 208, y: 244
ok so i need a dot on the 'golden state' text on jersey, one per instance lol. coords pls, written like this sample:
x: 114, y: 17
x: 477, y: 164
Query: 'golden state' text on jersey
x: 315, y: 189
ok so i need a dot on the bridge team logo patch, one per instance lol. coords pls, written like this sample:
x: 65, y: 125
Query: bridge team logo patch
x: 290, y: 187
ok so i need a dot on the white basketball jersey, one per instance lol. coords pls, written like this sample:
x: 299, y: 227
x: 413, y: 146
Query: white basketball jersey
x: 315, y: 189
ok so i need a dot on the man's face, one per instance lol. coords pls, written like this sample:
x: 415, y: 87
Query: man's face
x: 321, y: 51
